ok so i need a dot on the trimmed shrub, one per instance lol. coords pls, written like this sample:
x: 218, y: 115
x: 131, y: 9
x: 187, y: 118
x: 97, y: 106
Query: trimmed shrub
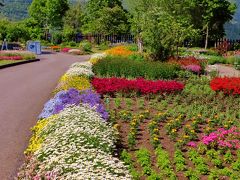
x: 123, y: 67
x: 86, y: 46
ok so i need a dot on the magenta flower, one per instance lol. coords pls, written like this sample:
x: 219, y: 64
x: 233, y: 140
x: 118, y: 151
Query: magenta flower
x: 226, y: 138
x: 192, y: 144
x: 193, y: 68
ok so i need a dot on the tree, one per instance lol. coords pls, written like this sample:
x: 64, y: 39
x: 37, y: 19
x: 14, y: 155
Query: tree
x: 211, y: 15
x: 72, y: 22
x: 161, y: 25
x: 49, y: 13
x: 105, y: 17
x: 56, y: 10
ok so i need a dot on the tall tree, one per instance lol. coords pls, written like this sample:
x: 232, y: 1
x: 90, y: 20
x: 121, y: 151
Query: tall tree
x: 72, y: 22
x: 105, y: 17
x: 211, y: 15
x: 49, y: 12
x: 161, y: 25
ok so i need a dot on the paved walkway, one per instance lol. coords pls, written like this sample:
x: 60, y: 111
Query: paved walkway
x: 224, y: 70
x: 23, y: 91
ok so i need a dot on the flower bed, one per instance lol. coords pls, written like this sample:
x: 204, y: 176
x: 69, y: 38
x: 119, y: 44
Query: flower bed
x: 186, y: 61
x: 11, y: 58
x: 75, y: 143
x: 72, y: 139
x: 226, y: 85
x: 78, y: 77
x: 119, y: 51
x: 165, y: 134
x: 141, y: 86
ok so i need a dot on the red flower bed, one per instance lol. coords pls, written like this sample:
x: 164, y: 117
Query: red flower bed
x: 142, y: 86
x: 186, y: 61
x: 227, y: 85
x: 11, y: 58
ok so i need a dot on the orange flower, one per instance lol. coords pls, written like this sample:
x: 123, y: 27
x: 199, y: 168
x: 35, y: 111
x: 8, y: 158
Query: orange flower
x: 119, y: 51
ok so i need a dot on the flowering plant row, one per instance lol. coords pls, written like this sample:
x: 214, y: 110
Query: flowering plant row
x: 227, y: 85
x: 11, y: 58
x: 142, y: 86
x: 119, y: 51
x: 78, y: 77
x: 73, y: 97
x: 74, y: 144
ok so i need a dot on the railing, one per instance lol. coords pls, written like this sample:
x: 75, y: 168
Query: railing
x: 113, y: 39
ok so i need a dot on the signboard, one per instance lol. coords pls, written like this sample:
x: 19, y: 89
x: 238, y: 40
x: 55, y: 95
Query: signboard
x: 34, y: 46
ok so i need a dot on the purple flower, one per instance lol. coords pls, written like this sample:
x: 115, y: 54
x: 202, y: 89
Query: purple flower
x: 73, y: 97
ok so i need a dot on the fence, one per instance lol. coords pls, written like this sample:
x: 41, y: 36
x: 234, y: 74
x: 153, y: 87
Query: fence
x: 113, y: 39
x: 230, y: 43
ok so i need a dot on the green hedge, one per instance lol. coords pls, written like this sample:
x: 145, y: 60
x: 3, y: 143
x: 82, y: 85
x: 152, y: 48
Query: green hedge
x: 124, y: 67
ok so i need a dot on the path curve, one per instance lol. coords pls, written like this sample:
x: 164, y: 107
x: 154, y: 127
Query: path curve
x: 23, y: 91
x: 224, y: 71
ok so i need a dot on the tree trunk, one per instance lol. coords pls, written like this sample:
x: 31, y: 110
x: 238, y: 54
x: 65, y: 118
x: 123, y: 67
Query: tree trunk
x: 207, y: 34
x: 140, y: 44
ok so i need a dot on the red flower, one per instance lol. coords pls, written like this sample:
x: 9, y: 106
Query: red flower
x: 11, y: 58
x: 227, y: 85
x: 142, y: 86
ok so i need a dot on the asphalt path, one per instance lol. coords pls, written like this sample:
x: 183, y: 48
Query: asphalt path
x: 23, y: 91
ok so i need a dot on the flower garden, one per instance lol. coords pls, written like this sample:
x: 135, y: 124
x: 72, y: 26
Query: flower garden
x: 120, y: 116
x: 11, y: 57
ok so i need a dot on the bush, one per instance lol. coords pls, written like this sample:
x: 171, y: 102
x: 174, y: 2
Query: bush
x: 136, y: 57
x: 123, y: 67
x: 86, y: 46
x: 214, y: 59
x: 72, y: 44
x: 104, y: 45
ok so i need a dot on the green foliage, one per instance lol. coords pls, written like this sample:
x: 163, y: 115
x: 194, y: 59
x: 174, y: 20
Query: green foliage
x: 208, y: 16
x: 136, y: 57
x: 198, y: 87
x: 49, y: 13
x: 72, y: 22
x: 179, y: 160
x: 213, y: 59
x: 105, y: 17
x: 122, y: 67
x: 162, y: 26
x: 86, y: 46
x: 163, y: 162
x: 143, y: 157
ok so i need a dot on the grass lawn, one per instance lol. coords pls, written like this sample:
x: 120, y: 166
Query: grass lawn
x: 5, y: 62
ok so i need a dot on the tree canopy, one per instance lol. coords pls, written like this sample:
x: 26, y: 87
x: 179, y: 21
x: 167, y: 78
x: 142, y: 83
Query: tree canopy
x: 105, y: 17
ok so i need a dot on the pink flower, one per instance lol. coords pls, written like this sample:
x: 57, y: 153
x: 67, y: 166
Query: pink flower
x: 192, y: 144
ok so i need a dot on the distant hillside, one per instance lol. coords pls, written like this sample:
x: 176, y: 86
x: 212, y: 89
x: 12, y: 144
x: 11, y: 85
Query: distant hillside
x: 233, y: 28
x: 18, y: 9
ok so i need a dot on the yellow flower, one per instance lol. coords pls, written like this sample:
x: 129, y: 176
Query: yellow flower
x: 116, y: 126
x: 155, y: 138
x: 174, y: 130
x: 199, y: 115
x: 185, y: 136
x: 192, y: 131
x: 179, y: 140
